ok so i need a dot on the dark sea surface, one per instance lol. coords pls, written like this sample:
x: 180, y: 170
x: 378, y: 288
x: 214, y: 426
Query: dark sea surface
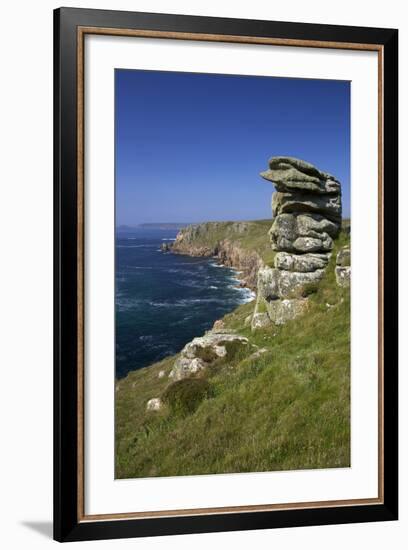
x: 164, y: 300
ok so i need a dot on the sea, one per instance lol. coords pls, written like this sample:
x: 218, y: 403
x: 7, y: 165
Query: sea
x: 164, y: 300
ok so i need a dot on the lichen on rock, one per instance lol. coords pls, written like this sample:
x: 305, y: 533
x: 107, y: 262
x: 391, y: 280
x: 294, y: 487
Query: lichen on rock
x: 203, y: 351
x: 306, y: 209
x: 343, y: 268
x: 154, y: 404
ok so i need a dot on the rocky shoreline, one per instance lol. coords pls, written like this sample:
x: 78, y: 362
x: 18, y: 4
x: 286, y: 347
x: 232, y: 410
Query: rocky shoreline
x: 200, y: 240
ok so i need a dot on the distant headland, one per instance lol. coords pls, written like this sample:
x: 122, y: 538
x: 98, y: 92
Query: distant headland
x: 153, y: 225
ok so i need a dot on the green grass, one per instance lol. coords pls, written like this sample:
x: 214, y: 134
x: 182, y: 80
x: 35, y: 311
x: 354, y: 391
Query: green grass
x: 254, y: 238
x: 288, y: 408
x: 257, y: 238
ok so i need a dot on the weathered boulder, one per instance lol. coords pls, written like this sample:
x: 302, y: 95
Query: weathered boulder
x: 293, y: 284
x: 276, y: 283
x: 314, y: 225
x: 268, y: 283
x: 312, y: 244
x: 302, y: 233
x: 260, y: 320
x: 203, y: 351
x: 283, y: 232
x: 343, y: 275
x: 185, y: 367
x: 218, y: 325
x: 343, y: 269
x: 282, y: 311
x: 306, y: 208
x: 328, y: 206
x: 301, y: 262
x: 290, y: 174
x: 343, y: 257
x: 154, y: 404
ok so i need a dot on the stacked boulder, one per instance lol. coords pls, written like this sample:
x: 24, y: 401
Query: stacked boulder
x: 306, y: 210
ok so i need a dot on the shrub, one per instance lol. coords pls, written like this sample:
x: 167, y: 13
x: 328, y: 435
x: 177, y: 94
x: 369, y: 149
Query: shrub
x: 184, y: 396
x: 206, y: 354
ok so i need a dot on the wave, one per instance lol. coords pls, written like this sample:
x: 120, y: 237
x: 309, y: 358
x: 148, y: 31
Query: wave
x: 191, y: 283
x: 146, y: 338
x: 184, y: 271
x: 125, y: 304
x: 138, y: 267
x: 248, y: 295
x: 168, y: 239
x: 186, y: 302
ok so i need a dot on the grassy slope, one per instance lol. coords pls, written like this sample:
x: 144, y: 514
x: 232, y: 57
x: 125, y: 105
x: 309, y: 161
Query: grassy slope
x: 287, y: 409
x: 255, y: 238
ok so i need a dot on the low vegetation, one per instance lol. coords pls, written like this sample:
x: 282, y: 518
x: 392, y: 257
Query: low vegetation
x: 254, y: 237
x: 280, y: 403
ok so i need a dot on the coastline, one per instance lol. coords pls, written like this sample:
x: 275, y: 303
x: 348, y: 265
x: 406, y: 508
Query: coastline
x: 165, y: 300
x: 248, y: 294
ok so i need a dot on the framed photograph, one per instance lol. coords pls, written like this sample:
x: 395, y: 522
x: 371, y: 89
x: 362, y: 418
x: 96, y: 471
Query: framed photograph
x: 225, y: 274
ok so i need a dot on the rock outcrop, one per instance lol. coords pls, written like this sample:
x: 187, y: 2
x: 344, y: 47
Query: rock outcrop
x: 154, y: 404
x: 343, y: 269
x: 306, y: 208
x: 203, y: 351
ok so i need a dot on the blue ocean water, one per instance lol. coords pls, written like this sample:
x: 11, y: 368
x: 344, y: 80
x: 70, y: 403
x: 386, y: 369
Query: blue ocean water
x: 164, y: 300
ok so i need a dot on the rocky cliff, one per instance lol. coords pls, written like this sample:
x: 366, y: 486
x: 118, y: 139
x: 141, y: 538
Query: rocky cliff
x: 229, y: 242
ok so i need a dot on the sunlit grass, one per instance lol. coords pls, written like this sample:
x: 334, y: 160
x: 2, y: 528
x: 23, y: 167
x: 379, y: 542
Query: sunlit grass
x: 286, y: 408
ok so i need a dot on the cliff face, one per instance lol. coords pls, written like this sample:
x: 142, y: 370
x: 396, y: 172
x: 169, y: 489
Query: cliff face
x: 198, y: 239
x: 228, y: 242
x: 249, y: 263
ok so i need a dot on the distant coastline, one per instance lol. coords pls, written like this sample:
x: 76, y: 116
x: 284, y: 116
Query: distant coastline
x: 179, y: 225
x: 152, y: 225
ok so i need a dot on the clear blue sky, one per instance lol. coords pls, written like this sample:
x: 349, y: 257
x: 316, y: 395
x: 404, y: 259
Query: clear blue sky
x: 189, y: 147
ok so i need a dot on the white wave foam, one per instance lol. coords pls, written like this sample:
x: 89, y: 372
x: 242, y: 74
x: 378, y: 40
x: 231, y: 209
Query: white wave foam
x: 248, y: 295
x: 146, y: 338
x: 138, y: 267
x: 186, y: 302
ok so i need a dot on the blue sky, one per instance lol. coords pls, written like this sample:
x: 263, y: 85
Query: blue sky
x: 189, y: 147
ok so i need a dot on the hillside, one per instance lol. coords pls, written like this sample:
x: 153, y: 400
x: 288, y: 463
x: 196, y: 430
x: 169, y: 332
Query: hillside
x: 205, y: 238
x: 280, y: 402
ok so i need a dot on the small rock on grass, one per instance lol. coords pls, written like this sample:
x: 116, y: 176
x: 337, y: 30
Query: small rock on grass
x: 154, y: 404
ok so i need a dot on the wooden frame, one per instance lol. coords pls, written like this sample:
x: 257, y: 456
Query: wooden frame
x: 71, y: 26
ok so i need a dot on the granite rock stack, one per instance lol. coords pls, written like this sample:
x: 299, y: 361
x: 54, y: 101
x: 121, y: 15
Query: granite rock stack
x: 306, y: 209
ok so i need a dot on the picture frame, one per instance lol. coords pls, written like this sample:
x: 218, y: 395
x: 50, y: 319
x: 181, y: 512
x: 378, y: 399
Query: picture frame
x: 71, y: 27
